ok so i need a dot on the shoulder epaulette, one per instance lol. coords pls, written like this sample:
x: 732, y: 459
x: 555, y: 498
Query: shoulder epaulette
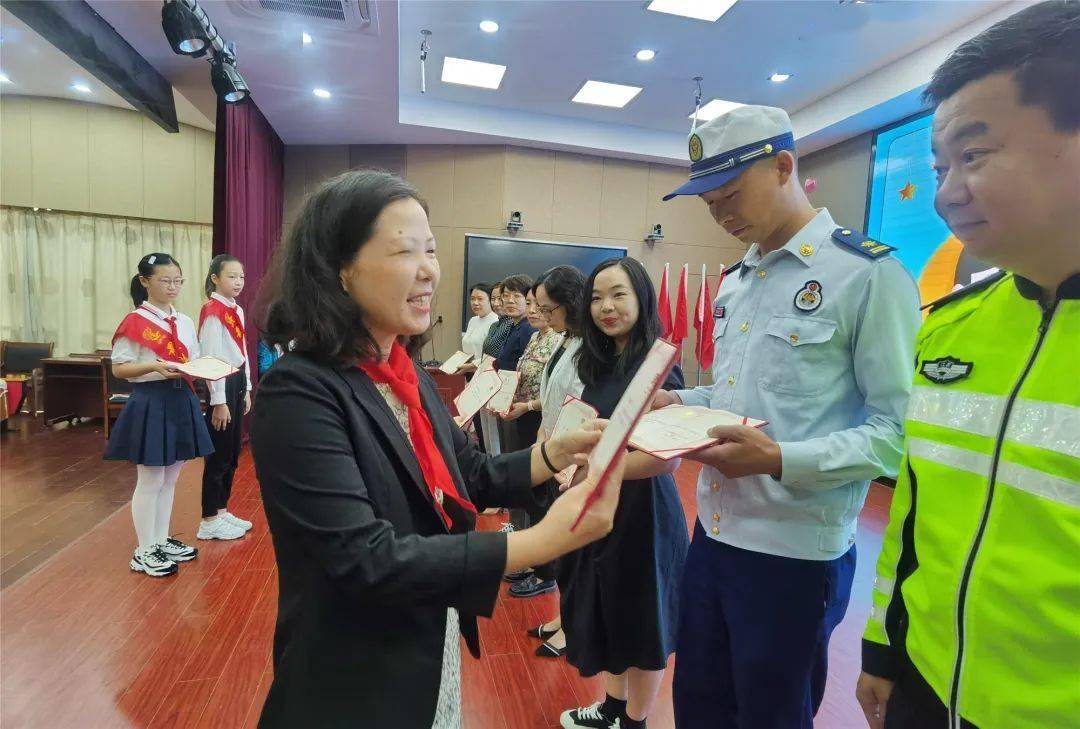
x: 734, y: 268
x: 966, y: 291
x: 856, y: 241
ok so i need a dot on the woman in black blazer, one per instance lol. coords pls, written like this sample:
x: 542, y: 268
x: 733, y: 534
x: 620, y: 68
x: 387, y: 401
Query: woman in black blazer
x: 369, y: 486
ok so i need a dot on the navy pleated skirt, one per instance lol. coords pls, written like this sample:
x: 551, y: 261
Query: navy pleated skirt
x: 160, y: 424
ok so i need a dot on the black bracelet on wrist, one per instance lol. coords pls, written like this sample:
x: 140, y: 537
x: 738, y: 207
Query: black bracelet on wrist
x: 547, y: 461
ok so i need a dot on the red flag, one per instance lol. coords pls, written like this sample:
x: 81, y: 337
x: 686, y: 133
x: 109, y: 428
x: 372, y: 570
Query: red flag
x: 679, y: 329
x: 703, y: 322
x: 664, y: 302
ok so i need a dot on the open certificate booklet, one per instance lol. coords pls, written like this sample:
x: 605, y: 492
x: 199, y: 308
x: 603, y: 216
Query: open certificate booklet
x: 454, y: 362
x: 573, y: 415
x: 634, y: 403
x: 204, y: 368
x: 476, y: 394
x: 504, y: 398
x: 678, y: 429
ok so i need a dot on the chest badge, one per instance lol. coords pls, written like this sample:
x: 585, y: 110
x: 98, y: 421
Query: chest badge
x: 945, y: 369
x: 719, y: 311
x: 808, y: 297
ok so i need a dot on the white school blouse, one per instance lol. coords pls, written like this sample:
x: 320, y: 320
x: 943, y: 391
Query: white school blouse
x: 125, y: 350
x: 563, y: 380
x: 216, y: 342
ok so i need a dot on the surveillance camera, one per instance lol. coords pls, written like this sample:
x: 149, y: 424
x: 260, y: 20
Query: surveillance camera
x: 514, y: 223
x: 656, y: 235
x: 658, y: 229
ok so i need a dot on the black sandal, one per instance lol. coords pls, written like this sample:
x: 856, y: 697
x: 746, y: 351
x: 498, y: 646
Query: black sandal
x: 546, y: 650
x: 539, y: 632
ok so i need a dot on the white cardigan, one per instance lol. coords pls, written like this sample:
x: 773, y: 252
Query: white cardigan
x: 563, y: 381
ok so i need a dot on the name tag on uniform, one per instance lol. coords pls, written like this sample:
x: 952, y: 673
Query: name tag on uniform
x: 719, y: 312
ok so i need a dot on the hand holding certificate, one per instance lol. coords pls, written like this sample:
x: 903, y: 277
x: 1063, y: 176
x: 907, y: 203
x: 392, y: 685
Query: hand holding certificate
x: 633, y: 403
x: 454, y: 362
x: 675, y: 430
x: 204, y: 368
x: 573, y: 415
x: 502, y: 400
x: 476, y: 394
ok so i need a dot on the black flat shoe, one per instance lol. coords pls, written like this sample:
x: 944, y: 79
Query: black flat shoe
x: 517, y: 576
x: 539, y: 632
x: 546, y: 650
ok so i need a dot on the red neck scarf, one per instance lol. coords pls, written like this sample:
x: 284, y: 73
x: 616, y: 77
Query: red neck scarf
x: 399, y: 373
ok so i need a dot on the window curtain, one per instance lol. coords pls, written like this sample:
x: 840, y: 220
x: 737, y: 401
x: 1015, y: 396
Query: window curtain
x: 66, y: 276
x: 249, y: 179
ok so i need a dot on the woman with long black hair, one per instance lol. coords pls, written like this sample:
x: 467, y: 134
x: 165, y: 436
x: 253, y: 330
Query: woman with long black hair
x: 620, y: 595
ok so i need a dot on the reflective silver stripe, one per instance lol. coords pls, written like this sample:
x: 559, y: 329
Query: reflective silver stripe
x: 1052, y: 426
x: 884, y: 585
x: 959, y: 458
x: 972, y: 412
x: 1040, y: 483
x: 1049, y: 425
x: 877, y: 614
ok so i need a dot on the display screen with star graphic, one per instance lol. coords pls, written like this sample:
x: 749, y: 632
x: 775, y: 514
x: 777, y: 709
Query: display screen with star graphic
x: 900, y: 204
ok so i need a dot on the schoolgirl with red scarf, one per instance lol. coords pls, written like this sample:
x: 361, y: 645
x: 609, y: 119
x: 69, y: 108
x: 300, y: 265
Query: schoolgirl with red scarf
x: 161, y: 426
x: 222, y: 335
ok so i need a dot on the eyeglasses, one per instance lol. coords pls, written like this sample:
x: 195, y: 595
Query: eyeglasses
x: 170, y: 282
x: 546, y: 310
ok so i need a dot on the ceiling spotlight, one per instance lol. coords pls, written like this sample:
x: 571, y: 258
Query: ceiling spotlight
x: 601, y: 93
x: 489, y: 26
x: 81, y: 88
x: 184, y: 28
x: 645, y: 54
x: 779, y: 78
x: 306, y: 39
x: 228, y: 83
x: 321, y: 93
x: 709, y: 10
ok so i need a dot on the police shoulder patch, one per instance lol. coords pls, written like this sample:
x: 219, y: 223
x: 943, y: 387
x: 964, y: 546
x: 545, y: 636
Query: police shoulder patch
x: 856, y: 241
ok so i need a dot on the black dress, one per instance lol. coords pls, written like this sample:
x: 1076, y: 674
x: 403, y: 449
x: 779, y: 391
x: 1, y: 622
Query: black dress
x: 620, y: 596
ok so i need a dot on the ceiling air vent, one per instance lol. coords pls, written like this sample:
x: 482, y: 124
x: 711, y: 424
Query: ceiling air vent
x: 340, y: 14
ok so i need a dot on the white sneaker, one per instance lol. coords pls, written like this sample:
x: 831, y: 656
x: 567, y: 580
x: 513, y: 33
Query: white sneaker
x: 237, y: 521
x: 153, y: 562
x: 219, y: 529
x: 177, y: 551
x: 507, y: 527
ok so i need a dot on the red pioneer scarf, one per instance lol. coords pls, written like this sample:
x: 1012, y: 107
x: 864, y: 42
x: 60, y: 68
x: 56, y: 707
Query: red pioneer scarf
x: 228, y: 317
x: 165, y: 343
x: 400, y: 374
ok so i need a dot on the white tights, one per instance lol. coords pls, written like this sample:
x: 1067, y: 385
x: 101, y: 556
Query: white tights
x: 152, y: 502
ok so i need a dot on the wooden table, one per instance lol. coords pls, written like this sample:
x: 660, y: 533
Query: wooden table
x: 450, y: 386
x: 74, y: 388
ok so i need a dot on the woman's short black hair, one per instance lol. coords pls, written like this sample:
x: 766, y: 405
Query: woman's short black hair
x: 307, y: 303
x: 565, y: 285
x: 146, y: 267
x: 485, y: 287
x: 216, y: 264
x: 597, y: 357
x: 1038, y: 46
x: 519, y: 283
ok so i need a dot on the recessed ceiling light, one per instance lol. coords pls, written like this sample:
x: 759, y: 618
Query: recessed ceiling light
x: 489, y: 26
x: 709, y: 10
x: 600, y: 93
x: 4, y: 79
x: 307, y: 39
x: 715, y: 108
x: 645, y: 54
x: 81, y: 88
x: 779, y: 78
x: 472, y: 73
x: 321, y: 93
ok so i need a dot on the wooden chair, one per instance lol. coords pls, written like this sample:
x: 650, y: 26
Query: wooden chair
x: 115, y: 393
x: 24, y: 358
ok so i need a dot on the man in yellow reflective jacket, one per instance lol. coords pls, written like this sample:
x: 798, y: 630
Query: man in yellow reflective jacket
x: 976, y: 606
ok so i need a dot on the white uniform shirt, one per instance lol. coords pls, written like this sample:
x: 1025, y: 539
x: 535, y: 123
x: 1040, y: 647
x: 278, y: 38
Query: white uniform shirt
x: 215, y: 341
x: 125, y: 350
x: 472, y: 341
x: 819, y: 340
